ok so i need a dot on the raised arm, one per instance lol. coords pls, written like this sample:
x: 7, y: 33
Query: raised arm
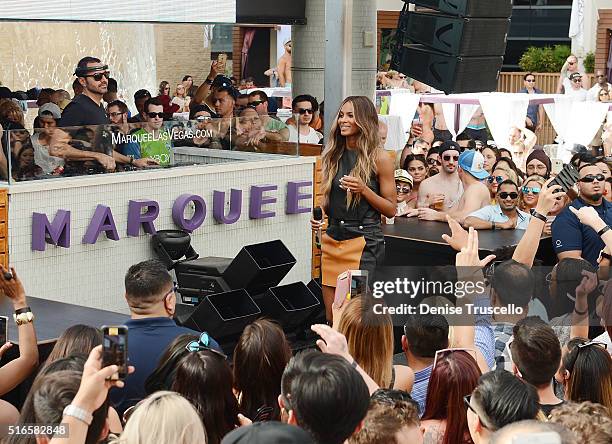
x: 527, y: 248
x: 17, y: 370
x: 204, y: 89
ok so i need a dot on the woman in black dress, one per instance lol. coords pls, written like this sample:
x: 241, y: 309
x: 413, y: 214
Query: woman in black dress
x: 358, y: 187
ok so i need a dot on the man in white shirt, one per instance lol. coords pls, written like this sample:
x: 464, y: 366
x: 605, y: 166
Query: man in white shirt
x: 576, y: 91
x: 602, y: 83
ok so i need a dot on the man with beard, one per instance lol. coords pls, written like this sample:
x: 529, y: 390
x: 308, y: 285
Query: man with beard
x: 441, y: 195
x: 504, y: 215
x: 86, y: 108
x: 571, y: 239
x: 433, y: 161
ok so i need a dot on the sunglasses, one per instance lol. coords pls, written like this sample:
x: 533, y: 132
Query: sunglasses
x: 172, y: 290
x: 303, y: 111
x: 532, y: 190
x: 530, y: 80
x: 255, y: 103
x: 447, y: 158
x: 203, y: 345
x: 433, y: 162
x: 98, y: 76
x: 497, y: 179
x: 403, y: 190
x: 511, y: 195
x: 593, y: 177
x: 114, y: 114
x: 577, y: 80
x: 203, y: 118
x: 154, y: 115
x: 572, y: 63
x: 441, y: 354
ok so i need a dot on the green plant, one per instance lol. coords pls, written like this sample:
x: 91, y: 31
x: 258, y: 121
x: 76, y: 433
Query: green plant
x: 589, y: 63
x: 544, y: 59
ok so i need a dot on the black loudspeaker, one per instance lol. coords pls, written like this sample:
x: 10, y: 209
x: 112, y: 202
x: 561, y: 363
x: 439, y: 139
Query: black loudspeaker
x: 459, y: 36
x: 201, y: 277
x: 221, y: 315
x: 469, y: 8
x: 259, y: 267
x: 451, y: 74
x: 291, y: 305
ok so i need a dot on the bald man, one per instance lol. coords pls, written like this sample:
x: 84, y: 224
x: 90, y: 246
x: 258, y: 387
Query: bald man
x: 602, y: 83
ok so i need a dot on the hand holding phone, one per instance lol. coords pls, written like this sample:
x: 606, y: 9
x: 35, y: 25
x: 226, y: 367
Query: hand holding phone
x: 567, y: 178
x: 115, y: 349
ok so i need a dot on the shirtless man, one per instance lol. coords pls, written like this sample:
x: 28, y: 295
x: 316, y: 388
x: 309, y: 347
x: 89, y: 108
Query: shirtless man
x: 477, y: 128
x: 284, y: 67
x: 470, y: 173
x: 440, y: 129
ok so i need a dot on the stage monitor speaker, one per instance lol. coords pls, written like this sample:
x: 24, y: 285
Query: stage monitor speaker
x: 223, y: 314
x: 260, y: 266
x: 317, y: 316
x: 448, y: 73
x: 469, y: 37
x: 291, y: 305
x: 469, y: 8
x: 201, y: 277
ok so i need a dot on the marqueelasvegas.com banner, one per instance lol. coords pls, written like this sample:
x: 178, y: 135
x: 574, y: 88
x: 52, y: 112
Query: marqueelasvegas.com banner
x: 202, y: 11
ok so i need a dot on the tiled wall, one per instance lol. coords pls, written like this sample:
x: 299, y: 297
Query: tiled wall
x: 92, y: 275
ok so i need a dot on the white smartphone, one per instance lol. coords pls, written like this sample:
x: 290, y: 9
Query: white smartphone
x: 557, y: 166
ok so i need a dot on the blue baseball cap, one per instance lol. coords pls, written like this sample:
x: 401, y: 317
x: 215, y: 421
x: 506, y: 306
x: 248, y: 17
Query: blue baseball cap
x: 471, y: 161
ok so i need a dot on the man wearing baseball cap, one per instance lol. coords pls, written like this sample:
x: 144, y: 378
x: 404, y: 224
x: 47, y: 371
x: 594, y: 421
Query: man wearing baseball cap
x: 577, y: 92
x: 442, y: 191
x: 471, y: 172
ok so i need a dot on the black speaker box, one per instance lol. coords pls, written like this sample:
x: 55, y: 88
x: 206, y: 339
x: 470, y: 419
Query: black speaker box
x: 470, y: 8
x: 470, y: 37
x: 448, y: 73
x: 222, y: 314
x: 260, y: 266
x: 291, y: 305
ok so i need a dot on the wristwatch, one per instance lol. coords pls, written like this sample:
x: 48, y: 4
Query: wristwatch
x: 603, y: 230
x: 208, y: 82
x: 78, y: 413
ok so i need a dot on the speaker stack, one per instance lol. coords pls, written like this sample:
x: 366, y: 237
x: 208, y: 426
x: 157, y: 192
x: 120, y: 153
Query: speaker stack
x: 458, y: 49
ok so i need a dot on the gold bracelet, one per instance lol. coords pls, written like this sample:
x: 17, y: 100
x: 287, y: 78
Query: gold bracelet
x: 23, y: 318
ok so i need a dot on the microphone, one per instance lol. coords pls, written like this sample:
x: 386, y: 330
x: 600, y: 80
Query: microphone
x: 317, y: 214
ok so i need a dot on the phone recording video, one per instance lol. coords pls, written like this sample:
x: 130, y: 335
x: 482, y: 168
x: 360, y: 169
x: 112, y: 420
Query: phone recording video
x: 3, y: 330
x: 359, y: 283
x: 115, y: 349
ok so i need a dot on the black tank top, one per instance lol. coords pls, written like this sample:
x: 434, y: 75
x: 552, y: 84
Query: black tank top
x: 338, y: 209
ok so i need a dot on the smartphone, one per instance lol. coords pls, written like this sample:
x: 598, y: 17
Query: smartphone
x: 359, y: 283
x: 222, y: 60
x: 557, y: 166
x: 115, y: 349
x: 3, y: 330
x: 343, y: 289
x: 537, y: 438
x: 567, y: 178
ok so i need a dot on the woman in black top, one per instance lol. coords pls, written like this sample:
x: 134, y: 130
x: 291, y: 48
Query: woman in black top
x: 358, y: 186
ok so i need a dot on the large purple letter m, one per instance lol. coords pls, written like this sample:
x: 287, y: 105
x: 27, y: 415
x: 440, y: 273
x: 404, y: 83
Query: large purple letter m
x: 54, y: 233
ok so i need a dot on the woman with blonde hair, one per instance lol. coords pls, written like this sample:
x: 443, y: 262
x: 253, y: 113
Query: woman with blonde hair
x: 163, y: 418
x: 358, y: 186
x: 529, y: 192
x: 181, y: 99
x: 370, y: 342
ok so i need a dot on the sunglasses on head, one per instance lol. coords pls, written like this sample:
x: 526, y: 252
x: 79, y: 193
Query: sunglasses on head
x: 303, y: 111
x: 497, y: 179
x: 511, y: 195
x: 154, y: 115
x: 593, y: 177
x: 432, y: 161
x: 532, y: 190
x: 447, y: 158
x: 203, y: 345
x: 403, y: 190
x: 98, y: 76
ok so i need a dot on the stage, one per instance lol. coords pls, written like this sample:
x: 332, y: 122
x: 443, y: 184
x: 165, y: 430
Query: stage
x: 411, y: 242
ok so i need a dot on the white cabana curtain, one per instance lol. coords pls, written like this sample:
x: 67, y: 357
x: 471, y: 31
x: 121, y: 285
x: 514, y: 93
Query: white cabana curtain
x: 404, y: 105
x: 503, y: 112
x: 465, y: 115
x: 576, y: 122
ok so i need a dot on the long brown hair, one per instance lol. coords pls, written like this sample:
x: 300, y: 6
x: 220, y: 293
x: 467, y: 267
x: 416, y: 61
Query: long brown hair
x: 370, y: 341
x: 75, y: 339
x: 368, y: 149
x: 260, y: 358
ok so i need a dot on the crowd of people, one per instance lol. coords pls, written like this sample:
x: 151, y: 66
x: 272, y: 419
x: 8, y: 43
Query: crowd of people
x: 94, y: 130
x: 500, y: 377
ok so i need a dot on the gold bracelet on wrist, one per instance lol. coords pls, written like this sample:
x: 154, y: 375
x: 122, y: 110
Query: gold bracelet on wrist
x: 23, y: 318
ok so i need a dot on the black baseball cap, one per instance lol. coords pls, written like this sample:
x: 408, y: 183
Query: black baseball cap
x: 272, y: 432
x: 222, y: 81
x: 141, y: 93
x: 450, y: 145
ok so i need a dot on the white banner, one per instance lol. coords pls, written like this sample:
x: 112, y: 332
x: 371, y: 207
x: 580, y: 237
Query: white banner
x: 209, y: 11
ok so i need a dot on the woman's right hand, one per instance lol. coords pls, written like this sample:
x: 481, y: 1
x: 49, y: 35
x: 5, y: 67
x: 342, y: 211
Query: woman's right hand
x: 316, y: 225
